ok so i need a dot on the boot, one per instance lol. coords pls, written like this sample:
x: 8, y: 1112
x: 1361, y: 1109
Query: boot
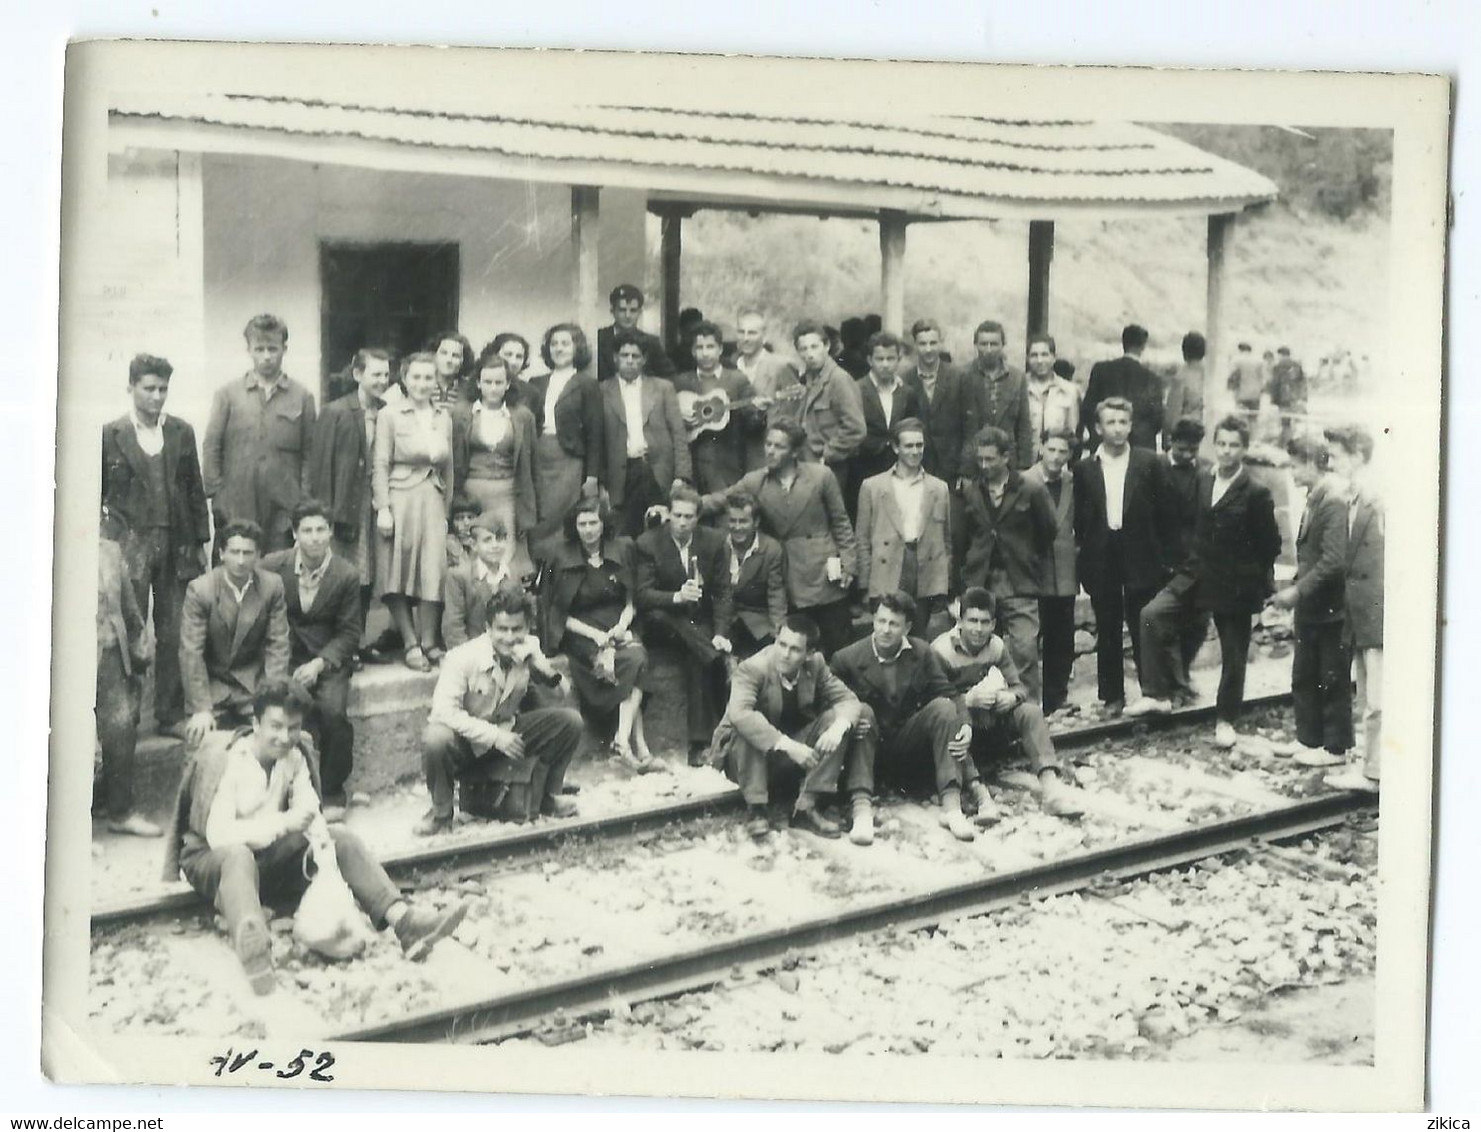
x: 861, y: 832
x: 418, y: 931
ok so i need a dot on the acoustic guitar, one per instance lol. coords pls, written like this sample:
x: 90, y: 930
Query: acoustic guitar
x: 710, y: 412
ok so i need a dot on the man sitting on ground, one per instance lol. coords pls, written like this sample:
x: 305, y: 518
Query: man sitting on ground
x: 910, y: 719
x: 238, y: 834
x: 485, y: 733
x: 788, y: 710
x: 987, y: 685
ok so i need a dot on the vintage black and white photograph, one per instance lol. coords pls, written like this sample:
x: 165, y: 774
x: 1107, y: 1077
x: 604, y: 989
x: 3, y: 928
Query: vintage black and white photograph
x: 615, y: 576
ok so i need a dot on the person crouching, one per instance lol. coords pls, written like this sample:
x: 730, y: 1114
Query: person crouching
x: 484, y: 732
x: 238, y: 834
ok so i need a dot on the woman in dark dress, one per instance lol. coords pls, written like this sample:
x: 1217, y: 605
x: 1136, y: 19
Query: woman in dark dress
x: 587, y: 607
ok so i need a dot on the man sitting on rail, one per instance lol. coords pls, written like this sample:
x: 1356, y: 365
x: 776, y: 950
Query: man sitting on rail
x: 909, y: 717
x: 238, y: 828
x: 788, y: 710
x: 987, y: 685
x: 484, y: 732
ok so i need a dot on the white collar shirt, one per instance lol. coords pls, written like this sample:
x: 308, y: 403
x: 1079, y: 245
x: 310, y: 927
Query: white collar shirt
x: 239, y: 594
x: 886, y: 398
x: 1222, y: 485
x: 309, y: 580
x: 904, y: 648
x: 1113, y: 468
x: 559, y: 379
x: 491, y: 578
x: 632, y: 411
x: 151, y: 438
x: 910, y: 494
x: 738, y: 559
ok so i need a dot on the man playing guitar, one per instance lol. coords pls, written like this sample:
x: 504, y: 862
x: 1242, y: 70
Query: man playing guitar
x: 721, y: 411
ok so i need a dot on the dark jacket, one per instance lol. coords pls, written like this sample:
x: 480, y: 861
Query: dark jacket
x: 760, y: 594
x: 1183, y: 484
x: 1147, y: 523
x: 339, y: 468
x: 945, y: 421
x: 126, y: 484
x: 227, y: 651
x: 523, y: 427
x: 1321, y: 557
x: 999, y: 401
x: 465, y: 602
x: 332, y: 626
x: 876, y: 453
x: 663, y: 436
x: 922, y: 678
x: 578, y: 419
x: 255, y: 457
x: 1125, y: 377
x: 661, y: 574
x: 1365, y: 576
x: 1235, y: 545
x: 1020, y: 535
x: 562, y: 578
x: 659, y: 364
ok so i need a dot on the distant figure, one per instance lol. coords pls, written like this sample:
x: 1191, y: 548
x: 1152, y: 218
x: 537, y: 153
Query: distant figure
x: 689, y: 318
x: 627, y: 308
x: 1185, y: 388
x: 255, y: 459
x: 1127, y: 377
x: 1247, y: 382
x: 1287, y: 391
x: 854, y: 357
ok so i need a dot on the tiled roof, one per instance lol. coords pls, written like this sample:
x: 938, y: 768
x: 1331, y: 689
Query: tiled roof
x: 946, y: 165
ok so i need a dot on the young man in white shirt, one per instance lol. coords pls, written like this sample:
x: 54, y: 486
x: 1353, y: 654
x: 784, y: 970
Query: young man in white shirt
x: 239, y: 831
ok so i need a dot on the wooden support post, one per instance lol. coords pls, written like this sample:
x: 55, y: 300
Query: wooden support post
x: 671, y: 251
x: 1219, y: 225
x: 585, y: 235
x: 1040, y: 255
x: 892, y: 269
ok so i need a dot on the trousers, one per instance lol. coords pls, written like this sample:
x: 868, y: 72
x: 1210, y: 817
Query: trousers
x: 835, y: 625
x: 1321, y: 687
x: 992, y: 730
x: 915, y: 750
x: 1018, y: 622
x: 640, y: 491
x: 551, y: 737
x: 237, y: 879
x: 330, y: 723
x: 151, y: 562
x: 702, y: 671
x: 1369, y: 665
x: 1172, y: 630
x: 850, y: 768
x: 1116, y: 606
x: 1056, y: 648
x: 117, y: 714
x: 743, y: 642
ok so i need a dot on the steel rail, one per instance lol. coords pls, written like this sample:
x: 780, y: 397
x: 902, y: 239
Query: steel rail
x: 508, y: 1014
x: 502, y: 843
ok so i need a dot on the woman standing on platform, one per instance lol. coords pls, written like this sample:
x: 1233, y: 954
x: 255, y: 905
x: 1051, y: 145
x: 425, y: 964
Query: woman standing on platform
x: 454, y: 355
x: 493, y: 454
x: 587, y: 612
x: 412, y: 488
x: 567, y: 406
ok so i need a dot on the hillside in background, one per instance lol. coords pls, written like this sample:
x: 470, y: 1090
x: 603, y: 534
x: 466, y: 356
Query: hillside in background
x: 1310, y: 271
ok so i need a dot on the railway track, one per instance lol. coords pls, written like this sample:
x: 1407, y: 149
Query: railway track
x: 504, y: 843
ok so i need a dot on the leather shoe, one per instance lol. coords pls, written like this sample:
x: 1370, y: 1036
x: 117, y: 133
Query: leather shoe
x: 815, y: 823
x: 699, y: 754
x: 432, y: 823
x: 137, y: 825
x: 1149, y: 705
x: 254, y: 947
x: 758, y: 824
x: 1317, y: 757
x: 1112, y: 709
x: 418, y: 931
x: 987, y: 809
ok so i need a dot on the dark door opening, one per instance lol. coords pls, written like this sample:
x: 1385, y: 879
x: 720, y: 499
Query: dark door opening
x: 392, y: 295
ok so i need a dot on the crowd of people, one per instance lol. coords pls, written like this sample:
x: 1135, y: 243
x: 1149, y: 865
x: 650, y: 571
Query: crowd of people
x: 744, y: 512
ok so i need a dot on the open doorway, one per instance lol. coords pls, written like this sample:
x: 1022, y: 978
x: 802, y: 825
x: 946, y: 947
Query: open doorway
x: 392, y: 295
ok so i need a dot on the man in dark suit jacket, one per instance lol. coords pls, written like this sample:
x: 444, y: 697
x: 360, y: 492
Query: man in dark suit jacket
x: 909, y: 716
x: 643, y: 459
x: 1127, y: 377
x: 233, y: 634
x: 787, y: 709
x: 627, y: 308
x: 339, y: 469
x: 1009, y: 535
x: 758, y: 577
x: 322, y: 596
x: 994, y: 393
x: 719, y: 455
x: 684, y: 599
x: 154, y: 495
x: 887, y: 400
x: 1123, y: 522
x: 940, y: 384
x: 1352, y: 453
x: 1226, y: 573
x: 1321, y: 666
